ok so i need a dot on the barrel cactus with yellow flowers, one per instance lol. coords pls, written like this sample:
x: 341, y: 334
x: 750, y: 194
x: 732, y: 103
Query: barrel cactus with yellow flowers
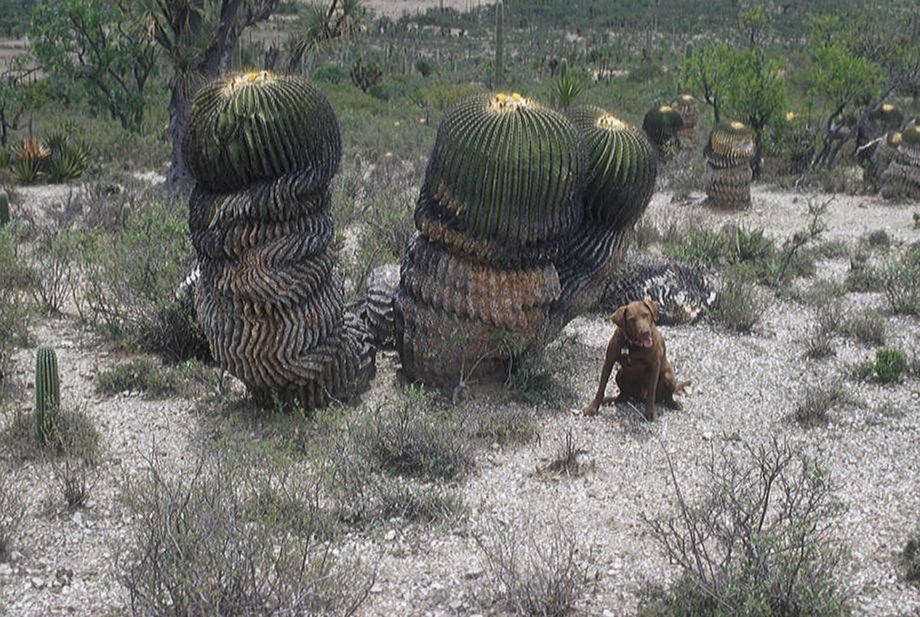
x: 662, y: 126
x: 263, y: 149
x: 687, y: 106
x: 522, y: 212
x: 901, y: 180
x: 728, y: 153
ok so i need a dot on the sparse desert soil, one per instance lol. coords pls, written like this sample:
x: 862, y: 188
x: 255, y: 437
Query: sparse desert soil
x: 395, y: 8
x: 744, y: 388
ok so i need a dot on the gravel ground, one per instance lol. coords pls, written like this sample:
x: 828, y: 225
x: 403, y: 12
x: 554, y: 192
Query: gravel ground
x: 66, y: 563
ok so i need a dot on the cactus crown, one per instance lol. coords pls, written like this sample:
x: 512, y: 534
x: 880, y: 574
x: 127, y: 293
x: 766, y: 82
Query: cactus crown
x: 685, y: 102
x: 911, y: 136
x: 894, y: 138
x: 621, y: 166
x: 259, y: 126
x: 504, y: 167
x: 661, y: 124
x: 47, y: 393
x: 730, y: 143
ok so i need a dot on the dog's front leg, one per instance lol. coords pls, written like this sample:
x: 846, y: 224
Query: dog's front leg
x: 610, y: 358
x: 654, y: 375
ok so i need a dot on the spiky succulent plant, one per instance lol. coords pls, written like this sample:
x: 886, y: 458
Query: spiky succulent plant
x: 728, y: 156
x: 662, y: 124
x: 516, y: 198
x: 47, y: 394
x: 503, y: 179
x: 901, y: 180
x: 263, y: 148
x: 259, y: 126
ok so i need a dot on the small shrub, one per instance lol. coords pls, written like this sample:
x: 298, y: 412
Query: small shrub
x: 890, y: 365
x: 74, y: 435
x: 757, y: 543
x: 502, y: 424
x: 15, y: 281
x: 54, y: 258
x: 540, y: 378
x: 817, y: 401
x: 823, y: 293
x: 901, y: 282
x: 532, y: 575
x: 566, y: 460
x: 12, y: 511
x: 820, y: 343
x: 76, y: 477
x: 739, y: 304
x: 138, y: 375
x: 200, y: 550
x: 868, y: 327
x: 863, y: 276
x: 878, y: 239
x: 910, y: 557
x: 697, y: 246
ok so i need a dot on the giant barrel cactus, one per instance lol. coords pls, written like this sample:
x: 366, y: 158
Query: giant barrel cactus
x: 263, y: 149
x: 883, y: 153
x: 521, y: 214
x: 662, y: 125
x: 686, y: 106
x: 728, y: 170
x: 901, y: 180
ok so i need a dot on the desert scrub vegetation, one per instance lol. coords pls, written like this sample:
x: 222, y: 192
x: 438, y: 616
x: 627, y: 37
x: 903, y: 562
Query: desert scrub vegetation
x: 226, y: 539
x: 890, y: 365
x: 739, y: 304
x: 901, y: 281
x: 12, y: 511
x: 533, y: 570
x: 817, y: 401
x: 910, y: 557
x: 137, y: 375
x: 756, y: 543
x: 15, y: 281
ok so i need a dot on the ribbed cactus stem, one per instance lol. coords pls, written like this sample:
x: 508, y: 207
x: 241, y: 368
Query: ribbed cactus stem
x: 47, y: 394
x: 499, y: 43
x: 4, y: 208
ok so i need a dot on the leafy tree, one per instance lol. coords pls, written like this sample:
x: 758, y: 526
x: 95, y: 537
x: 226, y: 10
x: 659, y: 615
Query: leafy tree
x: 98, y: 49
x: 318, y: 24
x: 17, y: 95
x: 756, y: 94
x: 707, y: 72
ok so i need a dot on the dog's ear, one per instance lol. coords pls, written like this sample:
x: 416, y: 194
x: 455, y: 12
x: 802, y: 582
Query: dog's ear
x: 653, y: 308
x: 619, y: 317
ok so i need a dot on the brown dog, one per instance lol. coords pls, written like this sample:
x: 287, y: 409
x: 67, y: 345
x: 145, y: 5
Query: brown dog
x: 645, y: 373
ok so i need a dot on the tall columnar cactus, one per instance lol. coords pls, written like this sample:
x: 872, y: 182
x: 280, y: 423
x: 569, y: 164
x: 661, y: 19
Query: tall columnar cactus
x: 728, y: 170
x: 662, y: 126
x: 263, y: 149
x: 47, y: 394
x: 901, y: 180
x: 499, y: 44
x: 4, y: 208
x: 686, y: 105
x: 521, y: 214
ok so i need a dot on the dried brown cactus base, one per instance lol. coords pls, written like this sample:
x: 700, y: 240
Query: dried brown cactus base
x: 901, y: 181
x: 687, y: 135
x: 378, y: 309
x: 878, y: 164
x: 728, y: 188
x: 457, y: 319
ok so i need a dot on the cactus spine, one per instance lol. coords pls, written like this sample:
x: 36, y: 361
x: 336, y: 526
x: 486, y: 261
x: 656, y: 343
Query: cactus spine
x: 4, y: 208
x: 47, y: 394
x: 499, y: 44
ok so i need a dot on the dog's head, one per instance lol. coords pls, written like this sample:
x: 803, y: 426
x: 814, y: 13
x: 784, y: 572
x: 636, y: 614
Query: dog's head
x: 637, y: 320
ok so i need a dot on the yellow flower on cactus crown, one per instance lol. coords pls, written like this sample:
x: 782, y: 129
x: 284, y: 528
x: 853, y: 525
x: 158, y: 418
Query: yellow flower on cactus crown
x: 887, y: 107
x: 737, y: 125
x: 610, y: 123
x: 791, y: 116
x: 246, y: 79
x: 510, y: 101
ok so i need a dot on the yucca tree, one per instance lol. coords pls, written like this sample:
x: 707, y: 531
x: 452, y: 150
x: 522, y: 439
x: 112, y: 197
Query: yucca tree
x: 263, y: 149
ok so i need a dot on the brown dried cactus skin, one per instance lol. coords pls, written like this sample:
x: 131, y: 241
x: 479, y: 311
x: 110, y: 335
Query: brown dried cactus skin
x: 728, y: 166
x: 378, y: 307
x: 269, y: 299
x: 901, y: 180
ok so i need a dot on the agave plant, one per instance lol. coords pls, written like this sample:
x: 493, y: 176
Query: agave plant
x: 263, y: 149
x: 901, y: 180
x: 32, y: 158
x: 567, y: 87
x: 522, y: 212
x: 728, y: 173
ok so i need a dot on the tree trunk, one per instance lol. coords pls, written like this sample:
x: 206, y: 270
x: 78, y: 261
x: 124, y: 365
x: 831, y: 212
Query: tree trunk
x: 178, y: 180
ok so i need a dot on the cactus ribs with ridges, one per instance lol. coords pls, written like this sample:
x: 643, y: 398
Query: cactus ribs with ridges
x: 662, y: 126
x: 516, y: 197
x: 47, y: 394
x: 901, y: 180
x: 687, y: 106
x: 264, y: 148
x: 728, y: 153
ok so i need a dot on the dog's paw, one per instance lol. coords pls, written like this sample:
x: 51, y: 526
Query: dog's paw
x: 590, y: 410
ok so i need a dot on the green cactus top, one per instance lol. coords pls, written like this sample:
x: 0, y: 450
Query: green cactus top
x: 259, y: 126
x: 889, y: 115
x: 505, y: 169
x: 685, y: 104
x: 621, y: 167
x: 730, y: 144
x: 910, y: 136
x: 661, y: 124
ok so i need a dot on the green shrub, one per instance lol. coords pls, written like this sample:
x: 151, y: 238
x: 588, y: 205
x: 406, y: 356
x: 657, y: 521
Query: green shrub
x: 758, y: 542
x: 739, y: 305
x: 890, y: 365
x: 817, y: 401
x: 138, y: 375
x: 910, y: 557
x: 901, y: 281
x: 15, y: 282
x: 698, y: 246
x: 867, y: 327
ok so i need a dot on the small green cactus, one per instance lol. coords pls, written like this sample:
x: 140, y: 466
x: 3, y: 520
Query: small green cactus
x: 47, y: 394
x: 621, y: 167
x: 4, y: 208
x: 504, y: 175
x: 662, y: 124
x: 260, y: 126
